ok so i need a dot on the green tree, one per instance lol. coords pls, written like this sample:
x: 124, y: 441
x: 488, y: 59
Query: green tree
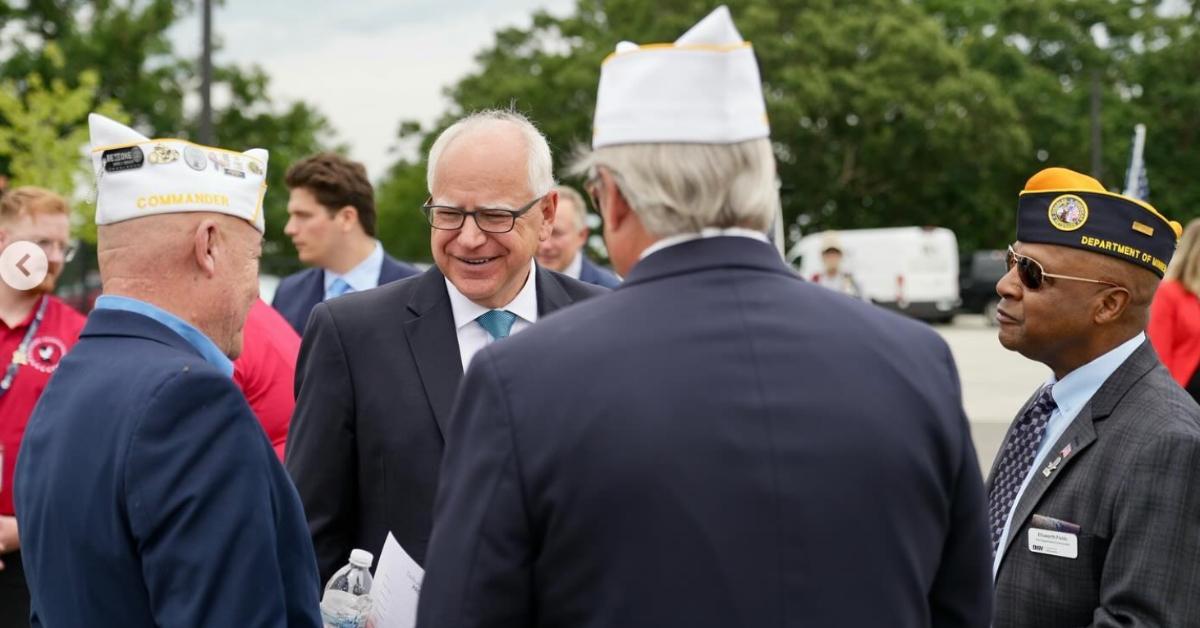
x: 124, y: 45
x: 45, y: 137
x: 878, y: 119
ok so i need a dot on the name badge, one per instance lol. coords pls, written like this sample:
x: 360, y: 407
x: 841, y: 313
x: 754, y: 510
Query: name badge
x: 1051, y: 543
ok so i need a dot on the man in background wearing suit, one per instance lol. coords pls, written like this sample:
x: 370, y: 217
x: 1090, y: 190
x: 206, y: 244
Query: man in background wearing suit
x: 331, y: 221
x: 1094, y: 498
x: 727, y: 445
x: 564, y: 250
x: 147, y: 494
x: 378, y: 370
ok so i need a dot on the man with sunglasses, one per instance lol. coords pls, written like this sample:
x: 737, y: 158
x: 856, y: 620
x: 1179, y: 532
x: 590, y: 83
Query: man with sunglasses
x: 379, y: 369
x: 1094, y: 498
x: 36, y: 330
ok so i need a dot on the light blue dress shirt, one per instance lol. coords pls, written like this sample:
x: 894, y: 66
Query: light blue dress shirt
x: 362, y: 277
x: 1070, y: 394
x: 207, y: 348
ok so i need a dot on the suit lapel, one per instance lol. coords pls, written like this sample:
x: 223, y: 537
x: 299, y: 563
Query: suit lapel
x: 550, y: 293
x: 313, y: 293
x: 434, y: 344
x: 1078, y: 436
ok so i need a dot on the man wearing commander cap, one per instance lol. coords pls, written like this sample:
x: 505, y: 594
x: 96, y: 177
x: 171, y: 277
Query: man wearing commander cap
x: 1094, y: 498
x: 722, y: 465
x: 147, y: 494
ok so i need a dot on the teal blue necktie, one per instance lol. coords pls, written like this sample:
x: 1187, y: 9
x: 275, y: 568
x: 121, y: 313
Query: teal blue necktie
x: 338, y: 288
x: 497, y: 323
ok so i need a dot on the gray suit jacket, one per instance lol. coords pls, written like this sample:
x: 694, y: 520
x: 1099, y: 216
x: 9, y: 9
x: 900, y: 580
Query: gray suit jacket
x: 1130, y: 481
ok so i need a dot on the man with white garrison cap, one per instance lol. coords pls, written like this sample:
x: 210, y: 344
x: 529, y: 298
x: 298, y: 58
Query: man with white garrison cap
x: 147, y: 493
x: 749, y: 450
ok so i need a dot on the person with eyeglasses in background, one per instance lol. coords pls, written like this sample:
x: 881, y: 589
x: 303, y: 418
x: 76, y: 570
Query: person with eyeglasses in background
x: 379, y: 369
x: 37, y: 330
x: 1094, y: 497
x: 1174, y: 328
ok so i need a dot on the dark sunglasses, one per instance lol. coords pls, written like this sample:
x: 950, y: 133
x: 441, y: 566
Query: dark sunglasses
x: 1032, y: 274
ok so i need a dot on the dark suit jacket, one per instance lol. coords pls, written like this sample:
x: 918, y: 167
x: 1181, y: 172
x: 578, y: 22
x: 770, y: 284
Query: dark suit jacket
x: 148, y: 495
x: 377, y: 374
x: 725, y: 446
x: 299, y: 292
x: 1131, y: 482
x: 591, y: 273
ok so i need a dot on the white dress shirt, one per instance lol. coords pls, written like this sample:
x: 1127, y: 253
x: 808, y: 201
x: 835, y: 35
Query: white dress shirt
x: 362, y: 277
x: 668, y: 242
x: 471, y: 335
x: 575, y: 267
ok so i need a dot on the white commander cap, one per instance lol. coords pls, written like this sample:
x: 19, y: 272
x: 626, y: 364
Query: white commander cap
x: 137, y: 176
x: 704, y: 88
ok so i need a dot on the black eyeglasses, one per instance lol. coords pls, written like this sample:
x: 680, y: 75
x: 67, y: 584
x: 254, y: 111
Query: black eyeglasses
x: 489, y: 220
x: 1032, y: 274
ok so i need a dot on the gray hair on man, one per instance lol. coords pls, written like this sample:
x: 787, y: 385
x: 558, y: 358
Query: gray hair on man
x: 540, y: 163
x: 678, y: 188
x: 575, y: 200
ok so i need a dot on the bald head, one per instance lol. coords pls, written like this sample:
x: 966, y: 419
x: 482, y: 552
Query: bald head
x: 199, y: 266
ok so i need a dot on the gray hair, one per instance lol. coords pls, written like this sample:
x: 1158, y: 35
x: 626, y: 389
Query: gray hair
x: 540, y: 164
x: 568, y: 193
x: 685, y: 188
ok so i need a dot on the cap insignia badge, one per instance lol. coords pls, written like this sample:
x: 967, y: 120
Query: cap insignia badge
x: 1068, y: 212
x: 163, y: 154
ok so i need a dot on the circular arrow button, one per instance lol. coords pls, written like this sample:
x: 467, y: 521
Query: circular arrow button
x: 23, y: 265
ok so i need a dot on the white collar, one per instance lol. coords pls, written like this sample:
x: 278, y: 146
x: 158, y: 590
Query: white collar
x: 574, y: 269
x: 524, y: 305
x: 362, y: 277
x: 710, y: 232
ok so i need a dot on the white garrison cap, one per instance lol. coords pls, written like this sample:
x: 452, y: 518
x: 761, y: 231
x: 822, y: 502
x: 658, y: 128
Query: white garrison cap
x: 704, y: 88
x: 137, y: 176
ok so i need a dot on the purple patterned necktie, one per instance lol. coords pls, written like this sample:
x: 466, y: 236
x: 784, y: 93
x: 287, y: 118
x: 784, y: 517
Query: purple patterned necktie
x: 1015, y: 461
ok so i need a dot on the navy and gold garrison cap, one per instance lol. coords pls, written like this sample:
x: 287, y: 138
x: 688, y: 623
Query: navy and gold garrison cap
x: 1063, y: 207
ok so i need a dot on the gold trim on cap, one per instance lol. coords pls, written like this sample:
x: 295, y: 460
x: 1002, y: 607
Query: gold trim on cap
x: 683, y: 48
x: 99, y: 149
x: 1144, y: 205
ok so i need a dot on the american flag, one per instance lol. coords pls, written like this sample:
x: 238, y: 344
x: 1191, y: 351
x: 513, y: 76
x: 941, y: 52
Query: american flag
x: 1137, y: 183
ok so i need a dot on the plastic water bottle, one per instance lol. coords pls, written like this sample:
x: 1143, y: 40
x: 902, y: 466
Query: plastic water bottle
x: 347, y: 600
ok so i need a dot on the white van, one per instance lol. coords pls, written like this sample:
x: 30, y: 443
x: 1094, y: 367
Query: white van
x: 910, y: 269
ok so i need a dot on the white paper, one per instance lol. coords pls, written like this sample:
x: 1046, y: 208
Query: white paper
x: 396, y: 588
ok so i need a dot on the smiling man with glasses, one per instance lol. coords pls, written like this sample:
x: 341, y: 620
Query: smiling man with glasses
x: 1094, y: 498
x: 379, y: 370
x: 36, y: 330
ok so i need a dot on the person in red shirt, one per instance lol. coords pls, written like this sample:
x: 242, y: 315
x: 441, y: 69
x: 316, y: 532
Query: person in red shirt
x: 1174, y: 327
x: 36, y: 330
x: 266, y: 371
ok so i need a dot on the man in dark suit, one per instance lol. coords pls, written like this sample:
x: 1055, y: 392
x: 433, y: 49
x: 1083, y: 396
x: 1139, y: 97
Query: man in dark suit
x: 1094, y: 498
x: 564, y: 250
x: 147, y: 494
x: 727, y: 445
x: 379, y: 370
x: 331, y: 221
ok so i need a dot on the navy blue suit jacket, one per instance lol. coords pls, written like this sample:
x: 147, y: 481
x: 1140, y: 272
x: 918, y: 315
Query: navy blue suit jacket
x: 591, y: 273
x: 374, y: 384
x: 299, y: 292
x: 148, y: 495
x: 725, y: 446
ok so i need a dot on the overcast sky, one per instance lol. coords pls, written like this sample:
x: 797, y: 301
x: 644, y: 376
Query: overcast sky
x: 365, y: 64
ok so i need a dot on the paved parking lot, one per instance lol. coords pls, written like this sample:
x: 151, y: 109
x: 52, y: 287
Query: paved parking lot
x: 995, y: 381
